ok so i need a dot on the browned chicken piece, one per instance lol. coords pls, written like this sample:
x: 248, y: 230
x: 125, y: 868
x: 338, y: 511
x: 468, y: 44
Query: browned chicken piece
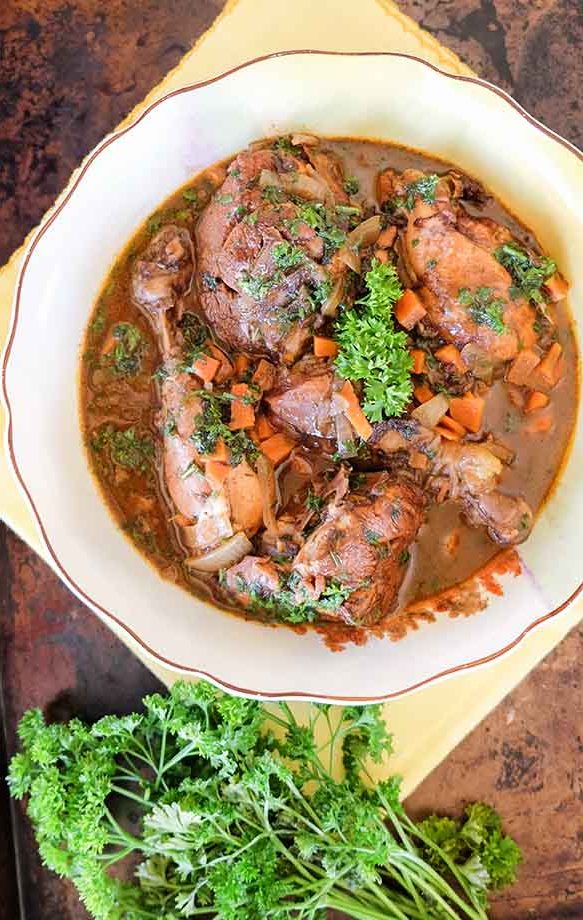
x: 449, y: 254
x: 353, y: 564
x: 164, y: 272
x: 466, y: 472
x: 205, y: 513
x: 264, y: 273
x: 351, y: 567
x: 302, y: 401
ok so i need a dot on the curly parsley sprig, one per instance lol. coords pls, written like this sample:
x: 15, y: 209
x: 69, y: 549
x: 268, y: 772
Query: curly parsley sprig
x: 372, y: 351
x: 238, y: 816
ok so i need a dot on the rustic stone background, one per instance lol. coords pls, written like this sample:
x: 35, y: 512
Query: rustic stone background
x: 69, y: 71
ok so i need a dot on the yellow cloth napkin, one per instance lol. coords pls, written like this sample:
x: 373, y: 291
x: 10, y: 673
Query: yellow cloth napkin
x: 429, y: 723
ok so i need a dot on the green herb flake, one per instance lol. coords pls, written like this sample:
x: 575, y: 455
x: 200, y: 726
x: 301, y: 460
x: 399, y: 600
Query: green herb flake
x: 127, y: 448
x: 190, y: 195
x: 125, y: 357
x: 528, y: 272
x: 287, y: 255
x: 484, y: 308
x: 351, y: 185
x: 224, y: 199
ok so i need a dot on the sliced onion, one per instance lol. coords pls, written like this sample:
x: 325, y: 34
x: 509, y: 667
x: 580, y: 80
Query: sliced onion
x: 474, y: 358
x: 334, y: 298
x: 223, y: 556
x: 305, y: 140
x: 312, y: 188
x: 365, y: 234
x: 344, y: 435
x: 269, y: 177
x: 430, y: 413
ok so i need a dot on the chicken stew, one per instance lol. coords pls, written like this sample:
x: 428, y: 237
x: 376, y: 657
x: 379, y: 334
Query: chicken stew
x: 326, y: 379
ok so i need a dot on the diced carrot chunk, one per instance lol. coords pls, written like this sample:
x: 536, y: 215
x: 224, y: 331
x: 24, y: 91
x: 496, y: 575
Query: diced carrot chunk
x: 216, y: 472
x: 536, y: 400
x: 264, y: 376
x: 409, y: 309
x: 226, y: 369
x: 324, y: 347
x: 277, y: 447
x: 242, y: 414
x: 242, y: 364
x: 353, y: 411
x: 220, y: 454
x: 206, y: 367
x: 446, y: 433
x: 468, y: 410
x: 454, y: 426
x: 539, y: 424
x: 264, y: 428
x: 520, y: 371
x: 381, y: 255
x: 549, y: 368
x: 423, y: 393
x: 556, y: 287
x: 449, y: 354
x: 387, y: 237
x: 419, y: 357
x: 418, y: 461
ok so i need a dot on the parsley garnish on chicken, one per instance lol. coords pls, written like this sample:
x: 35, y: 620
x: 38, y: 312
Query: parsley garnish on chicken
x: 372, y: 351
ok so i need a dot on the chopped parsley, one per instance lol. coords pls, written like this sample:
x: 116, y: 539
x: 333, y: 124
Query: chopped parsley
x: 484, y: 308
x: 372, y: 351
x: 404, y: 557
x: 126, y: 355
x: 529, y: 273
x: 258, y: 288
x: 224, y: 199
x: 312, y: 501
x: 351, y: 185
x: 99, y: 320
x: 194, y: 337
x: 210, y: 282
x: 423, y: 188
x: 273, y: 194
x: 323, y: 220
x: 285, y: 145
x: 287, y: 255
x: 431, y: 264
x: 190, y: 194
x: 126, y: 447
x: 210, y: 426
x: 293, y: 604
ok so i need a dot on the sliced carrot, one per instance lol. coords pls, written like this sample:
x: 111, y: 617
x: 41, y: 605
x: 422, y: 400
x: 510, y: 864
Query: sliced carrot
x: 521, y: 369
x: 264, y: 376
x: 242, y: 364
x: 387, y: 237
x: 536, y: 400
x: 419, y: 357
x: 454, y: 426
x: 468, y: 410
x: 409, y: 309
x: 264, y: 428
x: 226, y: 369
x: 539, y: 424
x: 556, y: 287
x: 446, y: 433
x: 277, y: 447
x: 423, y: 393
x: 550, y: 368
x: 449, y: 354
x: 109, y: 343
x: 206, y: 367
x: 219, y: 455
x: 216, y: 472
x: 353, y: 411
x: 242, y: 414
x: 325, y: 348
x: 381, y: 255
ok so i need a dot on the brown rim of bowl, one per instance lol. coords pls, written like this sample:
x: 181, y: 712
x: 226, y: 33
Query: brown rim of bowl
x: 60, y: 569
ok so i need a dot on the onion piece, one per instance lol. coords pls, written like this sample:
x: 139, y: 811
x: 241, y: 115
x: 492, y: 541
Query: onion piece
x: 312, y: 188
x: 334, y: 298
x: 365, y: 234
x: 431, y: 412
x: 344, y: 436
x: 223, y: 556
x: 474, y: 358
x: 306, y: 140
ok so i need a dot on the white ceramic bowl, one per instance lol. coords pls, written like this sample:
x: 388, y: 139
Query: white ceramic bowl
x: 389, y: 97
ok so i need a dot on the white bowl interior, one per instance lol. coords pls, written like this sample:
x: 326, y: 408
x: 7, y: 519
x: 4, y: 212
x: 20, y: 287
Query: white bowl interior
x: 386, y: 97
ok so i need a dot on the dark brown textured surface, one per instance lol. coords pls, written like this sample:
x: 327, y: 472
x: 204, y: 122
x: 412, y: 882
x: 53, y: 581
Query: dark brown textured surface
x: 68, y: 73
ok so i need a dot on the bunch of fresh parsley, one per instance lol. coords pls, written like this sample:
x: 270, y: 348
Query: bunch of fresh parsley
x: 372, y: 351
x: 237, y: 816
